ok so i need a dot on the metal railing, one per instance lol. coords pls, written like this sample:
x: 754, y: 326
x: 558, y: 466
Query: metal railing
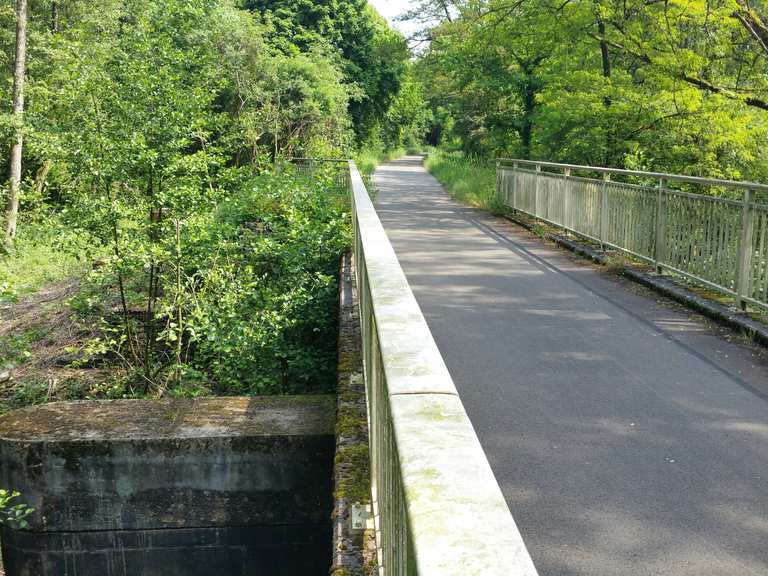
x: 438, y: 509
x: 720, y: 241
x: 310, y: 166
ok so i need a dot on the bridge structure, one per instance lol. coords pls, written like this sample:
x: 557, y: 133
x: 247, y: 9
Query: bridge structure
x: 531, y: 414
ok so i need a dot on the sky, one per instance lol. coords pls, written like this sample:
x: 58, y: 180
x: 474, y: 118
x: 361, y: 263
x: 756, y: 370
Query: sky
x: 391, y: 9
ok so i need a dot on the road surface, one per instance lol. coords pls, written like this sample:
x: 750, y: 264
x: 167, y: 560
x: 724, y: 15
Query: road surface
x: 628, y: 437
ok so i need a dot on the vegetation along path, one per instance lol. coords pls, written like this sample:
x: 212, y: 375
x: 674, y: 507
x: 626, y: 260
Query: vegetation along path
x: 628, y: 437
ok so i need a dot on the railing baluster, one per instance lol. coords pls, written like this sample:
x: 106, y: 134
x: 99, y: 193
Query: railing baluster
x: 604, y: 210
x: 661, y: 227
x: 501, y: 188
x: 567, y: 200
x: 514, y: 185
x: 743, y: 283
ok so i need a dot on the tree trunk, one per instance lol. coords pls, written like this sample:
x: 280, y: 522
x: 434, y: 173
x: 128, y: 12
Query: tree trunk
x: 42, y: 175
x: 54, y: 16
x: 606, y: 59
x: 529, y: 108
x: 12, y: 205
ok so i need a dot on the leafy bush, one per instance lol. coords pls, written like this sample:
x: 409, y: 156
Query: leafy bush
x: 236, y: 298
x: 13, y: 515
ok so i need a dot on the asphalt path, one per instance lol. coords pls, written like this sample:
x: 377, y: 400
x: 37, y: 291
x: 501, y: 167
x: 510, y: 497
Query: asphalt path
x: 628, y: 436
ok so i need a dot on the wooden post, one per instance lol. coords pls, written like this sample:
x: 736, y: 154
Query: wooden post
x: 661, y: 226
x: 744, y: 278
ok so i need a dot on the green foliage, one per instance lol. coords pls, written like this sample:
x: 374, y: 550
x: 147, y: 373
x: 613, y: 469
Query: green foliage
x: 373, y: 56
x: 469, y: 179
x: 13, y: 515
x: 408, y: 117
x: 239, y: 297
x: 260, y: 288
x: 667, y: 86
x: 45, y: 251
x: 156, y: 133
x: 14, y: 348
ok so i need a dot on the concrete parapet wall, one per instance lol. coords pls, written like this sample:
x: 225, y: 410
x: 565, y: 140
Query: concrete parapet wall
x: 234, y: 485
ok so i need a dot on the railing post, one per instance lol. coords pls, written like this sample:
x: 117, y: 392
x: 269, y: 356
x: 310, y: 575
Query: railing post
x: 661, y: 227
x: 514, y: 186
x: 744, y: 277
x: 567, y: 216
x: 603, y: 223
x: 536, y: 190
x: 499, y: 182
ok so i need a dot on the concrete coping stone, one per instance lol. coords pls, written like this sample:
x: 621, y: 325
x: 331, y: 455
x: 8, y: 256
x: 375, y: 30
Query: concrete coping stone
x: 412, y: 361
x: 459, y: 520
x: 97, y: 420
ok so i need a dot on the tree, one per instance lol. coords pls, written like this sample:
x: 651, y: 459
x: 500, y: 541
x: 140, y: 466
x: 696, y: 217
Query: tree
x: 19, y: 73
x: 373, y: 55
x: 674, y: 86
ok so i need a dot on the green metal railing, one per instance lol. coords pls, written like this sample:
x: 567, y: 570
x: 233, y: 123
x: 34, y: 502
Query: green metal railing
x: 719, y: 240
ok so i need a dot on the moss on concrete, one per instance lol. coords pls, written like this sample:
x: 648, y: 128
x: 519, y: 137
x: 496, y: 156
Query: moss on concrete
x: 349, y: 422
x: 355, y: 485
x: 348, y: 360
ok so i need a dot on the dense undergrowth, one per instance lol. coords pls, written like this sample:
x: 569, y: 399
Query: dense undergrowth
x: 165, y: 246
x: 239, y: 297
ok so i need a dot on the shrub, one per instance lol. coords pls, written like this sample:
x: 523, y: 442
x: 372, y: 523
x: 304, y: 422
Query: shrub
x: 239, y: 298
x: 14, y: 515
x: 469, y: 179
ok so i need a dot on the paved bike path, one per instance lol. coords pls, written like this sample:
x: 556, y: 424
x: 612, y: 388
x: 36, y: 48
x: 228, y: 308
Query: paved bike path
x: 628, y: 438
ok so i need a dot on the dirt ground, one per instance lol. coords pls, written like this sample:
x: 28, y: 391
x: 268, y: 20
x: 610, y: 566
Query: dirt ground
x: 40, y: 338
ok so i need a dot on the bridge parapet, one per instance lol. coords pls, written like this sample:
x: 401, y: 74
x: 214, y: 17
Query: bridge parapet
x: 438, y: 507
x: 716, y: 238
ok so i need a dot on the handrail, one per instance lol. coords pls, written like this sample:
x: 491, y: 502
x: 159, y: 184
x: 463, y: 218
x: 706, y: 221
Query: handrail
x: 324, y: 160
x: 641, y: 174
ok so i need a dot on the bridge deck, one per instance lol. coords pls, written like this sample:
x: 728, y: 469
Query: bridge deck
x: 628, y: 438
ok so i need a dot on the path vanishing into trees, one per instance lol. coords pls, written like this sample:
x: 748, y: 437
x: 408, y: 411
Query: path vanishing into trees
x: 627, y: 436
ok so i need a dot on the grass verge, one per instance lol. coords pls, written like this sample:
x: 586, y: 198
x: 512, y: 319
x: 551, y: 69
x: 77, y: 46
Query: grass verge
x: 36, y: 260
x: 469, y: 180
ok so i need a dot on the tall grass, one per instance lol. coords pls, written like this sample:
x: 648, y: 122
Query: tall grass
x: 43, y: 253
x: 469, y: 179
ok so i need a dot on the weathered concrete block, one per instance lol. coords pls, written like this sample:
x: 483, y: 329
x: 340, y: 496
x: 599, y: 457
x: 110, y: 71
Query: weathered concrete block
x: 171, y: 487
